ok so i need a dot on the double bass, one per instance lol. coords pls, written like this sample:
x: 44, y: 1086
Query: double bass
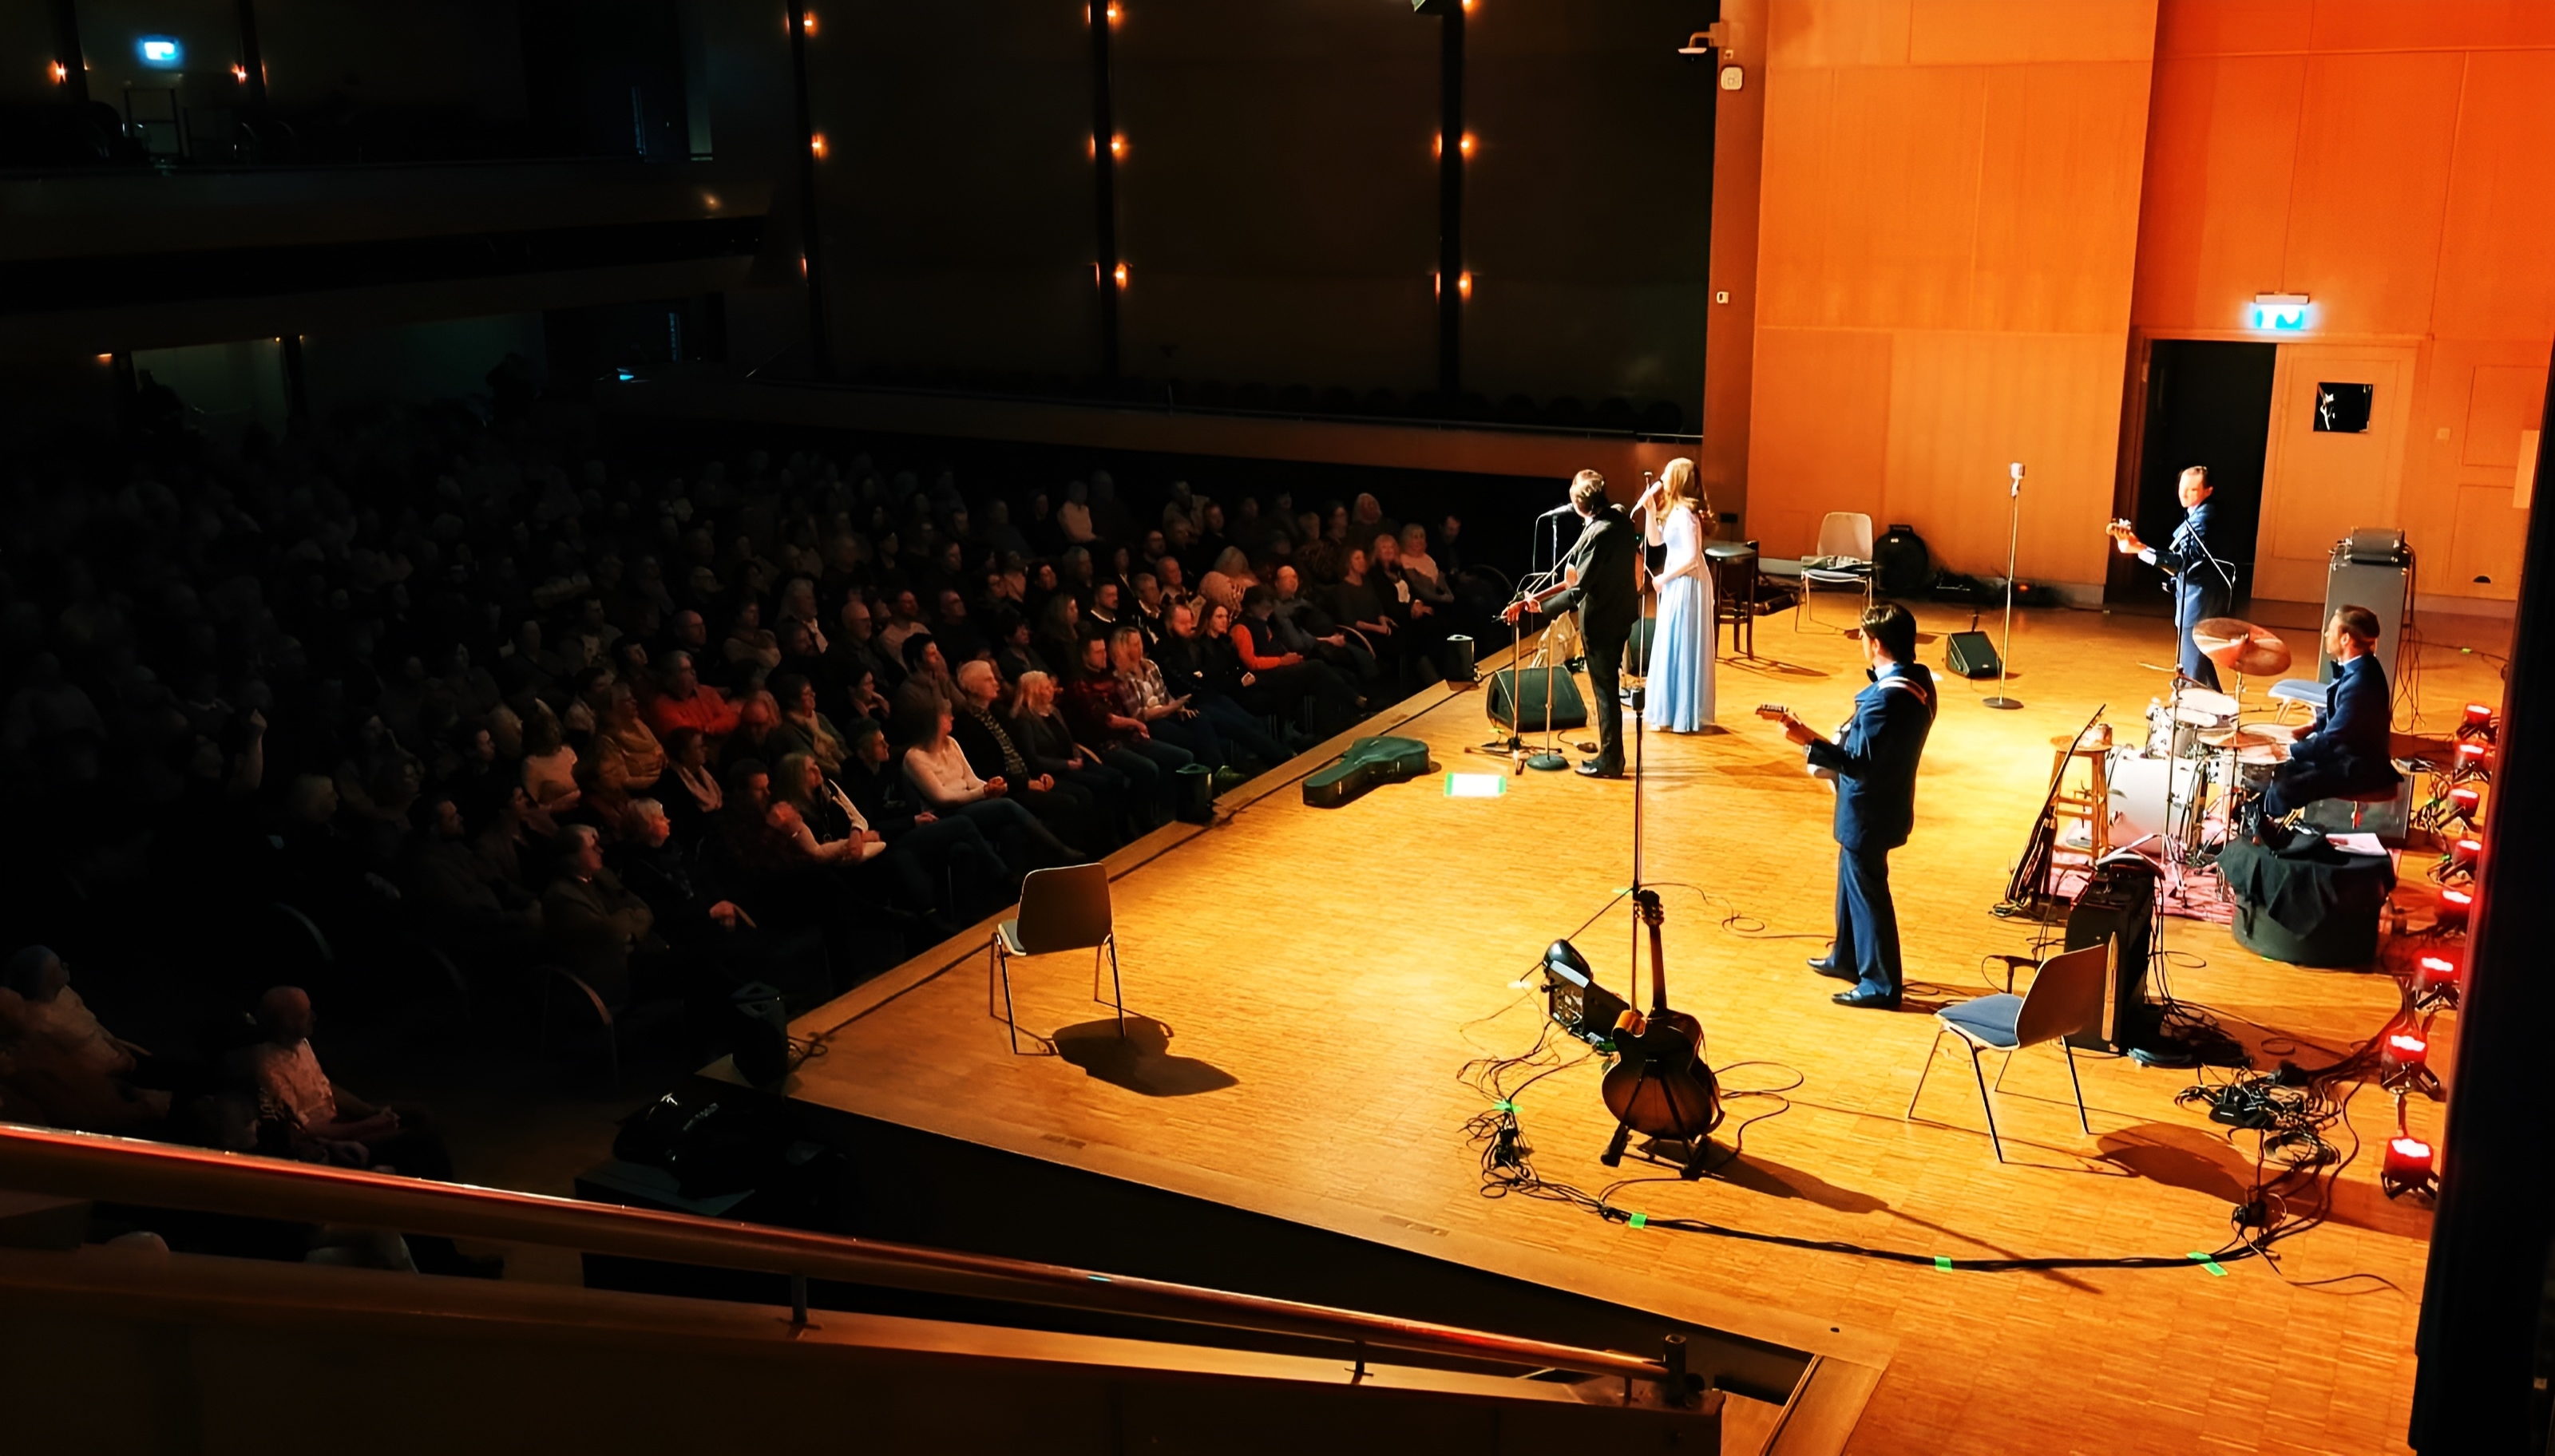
x: 1659, y: 1085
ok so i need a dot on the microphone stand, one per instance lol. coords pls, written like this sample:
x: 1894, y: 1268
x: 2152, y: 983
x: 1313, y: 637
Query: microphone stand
x: 1512, y: 747
x: 2012, y: 535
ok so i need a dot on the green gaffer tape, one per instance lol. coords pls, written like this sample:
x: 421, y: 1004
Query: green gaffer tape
x: 1640, y: 1220
x: 1503, y: 1107
x: 1943, y: 1264
x: 2208, y: 1261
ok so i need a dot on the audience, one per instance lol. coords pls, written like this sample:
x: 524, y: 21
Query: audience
x: 428, y: 682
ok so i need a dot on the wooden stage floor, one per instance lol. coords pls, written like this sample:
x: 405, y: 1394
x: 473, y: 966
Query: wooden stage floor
x: 1324, y: 974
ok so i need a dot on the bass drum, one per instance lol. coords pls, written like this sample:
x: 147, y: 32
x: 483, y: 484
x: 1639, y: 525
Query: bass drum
x: 2139, y: 785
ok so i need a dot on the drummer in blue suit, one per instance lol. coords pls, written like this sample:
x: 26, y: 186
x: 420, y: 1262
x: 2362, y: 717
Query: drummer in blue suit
x: 2346, y: 748
x: 1874, y: 761
x: 2204, y: 581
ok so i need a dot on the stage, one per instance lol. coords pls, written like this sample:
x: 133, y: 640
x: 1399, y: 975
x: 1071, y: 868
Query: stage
x: 1323, y: 976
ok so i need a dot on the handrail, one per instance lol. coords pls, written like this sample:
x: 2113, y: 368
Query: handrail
x: 126, y: 1171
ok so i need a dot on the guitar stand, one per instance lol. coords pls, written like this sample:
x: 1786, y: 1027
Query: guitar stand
x: 1696, y: 1149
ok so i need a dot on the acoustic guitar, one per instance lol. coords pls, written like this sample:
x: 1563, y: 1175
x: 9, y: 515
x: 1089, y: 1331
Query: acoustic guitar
x: 1659, y: 1085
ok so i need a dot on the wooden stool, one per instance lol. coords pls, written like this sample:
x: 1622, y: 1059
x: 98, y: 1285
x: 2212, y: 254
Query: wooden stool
x: 2091, y: 804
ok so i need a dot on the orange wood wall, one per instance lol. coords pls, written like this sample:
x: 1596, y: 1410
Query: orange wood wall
x: 1948, y: 233
x: 2396, y: 163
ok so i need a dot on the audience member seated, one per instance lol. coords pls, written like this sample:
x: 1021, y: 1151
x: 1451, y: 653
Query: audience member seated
x: 683, y: 702
x: 1278, y: 679
x: 1201, y: 667
x: 1146, y: 695
x: 984, y: 737
x: 75, y: 1071
x: 937, y: 769
x: 1096, y: 712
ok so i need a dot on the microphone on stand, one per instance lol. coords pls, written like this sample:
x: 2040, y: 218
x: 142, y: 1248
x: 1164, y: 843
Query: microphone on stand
x: 1564, y: 509
x: 2013, y: 535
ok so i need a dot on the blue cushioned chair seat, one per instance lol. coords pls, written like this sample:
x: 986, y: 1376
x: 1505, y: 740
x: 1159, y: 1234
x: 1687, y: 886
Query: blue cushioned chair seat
x: 1989, y: 1019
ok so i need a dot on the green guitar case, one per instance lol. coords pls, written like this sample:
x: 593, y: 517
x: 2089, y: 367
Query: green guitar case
x: 1367, y: 763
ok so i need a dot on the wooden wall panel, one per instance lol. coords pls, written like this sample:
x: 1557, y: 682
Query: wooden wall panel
x: 1964, y: 406
x: 2222, y: 135
x: 1820, y: 432
x: 2503, y: 401
x: 2232, y: 27
x: 1947, y: 243
x: 2372, y: 179
x: 2496, y: 280
x: 2058, y: 196
x: 2363, y: 25
x: 1995, y: 32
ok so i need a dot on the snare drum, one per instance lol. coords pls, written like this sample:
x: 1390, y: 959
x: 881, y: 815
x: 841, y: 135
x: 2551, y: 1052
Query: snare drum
x: 2170, y: 738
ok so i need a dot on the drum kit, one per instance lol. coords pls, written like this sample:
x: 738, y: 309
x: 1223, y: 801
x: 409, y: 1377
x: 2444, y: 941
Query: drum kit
x: 2200, y: 764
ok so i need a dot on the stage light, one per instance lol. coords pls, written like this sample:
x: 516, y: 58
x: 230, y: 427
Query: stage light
x: 807, y: 23
x: 1116, y: 146
x: 2437, y: 970
x: 2479, y: 716
x: 2470, y: 758
x: 1120, y: 274
x: 1466, y: 146
x: 62, y: 73
x: 816, y: 144
x: 1464, y: 285
x: 2455, y: 906
x: 2279, y: 312
x: 2407, y: 1050
x: 1113, y: 12
x: 2466, y: 852
x: 2408, y: 1166
x: 239, y: 74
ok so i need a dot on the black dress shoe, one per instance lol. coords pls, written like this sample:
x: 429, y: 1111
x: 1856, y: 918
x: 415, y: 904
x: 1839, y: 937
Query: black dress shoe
x: 1600, y: 769
x: 1827, y: 967
x: 1875, y: 999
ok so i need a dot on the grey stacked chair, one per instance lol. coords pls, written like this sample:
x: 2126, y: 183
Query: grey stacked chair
x: 1064, y: 908
x: 2065, y: 999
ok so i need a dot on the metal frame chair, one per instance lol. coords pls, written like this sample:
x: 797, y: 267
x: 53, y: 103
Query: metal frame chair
x: 2065, y: 1000
x: 1063, y: 908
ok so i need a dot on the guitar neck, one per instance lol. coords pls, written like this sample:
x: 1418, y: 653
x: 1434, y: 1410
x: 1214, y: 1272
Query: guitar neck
x: 1659, y: 972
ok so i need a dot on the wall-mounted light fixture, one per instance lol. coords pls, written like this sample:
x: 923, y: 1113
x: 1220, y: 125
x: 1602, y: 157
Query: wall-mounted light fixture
x: 816, y: 144
x: 2278, y: 313
x: 1120, y: 274
x: 62, y: 73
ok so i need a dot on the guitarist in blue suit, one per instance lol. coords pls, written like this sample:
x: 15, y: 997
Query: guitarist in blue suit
x: 2204, y: 584
x: 1874, y: 766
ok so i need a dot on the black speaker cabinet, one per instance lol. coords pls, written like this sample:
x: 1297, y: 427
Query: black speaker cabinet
x: 1970, y: 654
x: 1516, y: 700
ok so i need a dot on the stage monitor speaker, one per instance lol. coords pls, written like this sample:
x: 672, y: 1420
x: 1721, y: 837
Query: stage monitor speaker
x: 2118, y: 906
x: 1516, y: 700
x: 2370, y: 568
x: 1970, y: 655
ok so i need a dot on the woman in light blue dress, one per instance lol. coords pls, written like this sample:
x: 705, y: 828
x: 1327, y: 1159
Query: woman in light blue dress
x: 1677, y: 513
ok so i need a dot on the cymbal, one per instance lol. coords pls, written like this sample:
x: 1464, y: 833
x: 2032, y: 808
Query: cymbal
x: 2239, y: 646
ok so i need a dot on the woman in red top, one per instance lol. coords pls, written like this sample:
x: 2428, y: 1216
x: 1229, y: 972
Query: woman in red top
x: 1274, y: 680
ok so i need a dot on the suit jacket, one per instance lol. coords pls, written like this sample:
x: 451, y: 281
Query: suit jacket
x: 2195, y: 557
x: 1875, y: 758
x: 2349, y: 736
x: 1607, y: 597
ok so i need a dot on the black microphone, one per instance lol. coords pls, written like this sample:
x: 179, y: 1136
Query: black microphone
x: 1564, y: 509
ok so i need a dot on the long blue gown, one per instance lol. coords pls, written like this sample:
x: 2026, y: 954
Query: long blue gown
x: 1681, y: 651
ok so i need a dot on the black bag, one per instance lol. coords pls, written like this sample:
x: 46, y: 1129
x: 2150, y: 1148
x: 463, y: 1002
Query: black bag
x: 1902, y: 566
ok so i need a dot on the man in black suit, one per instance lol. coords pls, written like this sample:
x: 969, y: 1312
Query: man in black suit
x: 1599, y: 582
x: 2345, y: 749
x: 1874, y: 768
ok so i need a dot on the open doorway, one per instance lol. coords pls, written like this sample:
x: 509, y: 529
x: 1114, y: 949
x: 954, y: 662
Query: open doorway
x: 2209, y: 403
